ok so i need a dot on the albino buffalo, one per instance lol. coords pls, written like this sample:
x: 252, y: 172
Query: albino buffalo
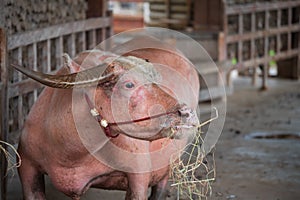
x: 130, y: 108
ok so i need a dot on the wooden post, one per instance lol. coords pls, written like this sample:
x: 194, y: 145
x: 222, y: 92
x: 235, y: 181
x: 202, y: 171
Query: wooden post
x: 168, y: 11
x: 289, y: 32
x: 96, y: 8
x: 48, y: 50
x: 266, y: 53
x: 83, y: 40
x: 20, y: 97
x: 200, y: 14
x: 71, y: 46
x: 34, y: 55
x: 92, y: 39
x: 221, y: 47
x: 240, y: 42
x: 59, y: 51
x: 278, y: 40
x: 252, y: 48
x: 3, y: 112
x: 298, y: 61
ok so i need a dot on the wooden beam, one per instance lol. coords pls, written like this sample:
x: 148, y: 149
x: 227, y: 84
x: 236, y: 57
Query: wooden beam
x: 278, y: 40
x: 96, y: 8
x: 277, y: 57
x: 252, y: 48
x: 263, y: 33
x: 266, y: 52
x: 20, y: 98
x: 260, y: 7
x: 48, y: 47
x: 240, y: 42
x: 59, y: 48
x: 55, y: 31
x: 3, y: 112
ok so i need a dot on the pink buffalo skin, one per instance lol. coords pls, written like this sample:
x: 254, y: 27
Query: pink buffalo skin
x: 50, y: 143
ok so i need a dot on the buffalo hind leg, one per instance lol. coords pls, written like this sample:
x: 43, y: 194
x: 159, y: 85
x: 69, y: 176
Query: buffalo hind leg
x: 33, y: 183
x: 159, y: 191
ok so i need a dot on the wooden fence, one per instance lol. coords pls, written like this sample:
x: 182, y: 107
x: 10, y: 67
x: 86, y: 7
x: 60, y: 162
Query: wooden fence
x: 257, y: 34
x: 40, y: 50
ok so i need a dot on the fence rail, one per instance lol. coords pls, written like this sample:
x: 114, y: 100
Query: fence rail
x: 259, y: 33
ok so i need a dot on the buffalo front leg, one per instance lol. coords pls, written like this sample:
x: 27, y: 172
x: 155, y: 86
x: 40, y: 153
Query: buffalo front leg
x: 32, y: 181
x: 159, y: 191
x: 138, y: 186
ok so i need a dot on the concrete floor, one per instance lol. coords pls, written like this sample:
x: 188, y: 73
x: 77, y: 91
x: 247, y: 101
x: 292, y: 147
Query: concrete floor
x: 247, y: 168
x: 262, y: 169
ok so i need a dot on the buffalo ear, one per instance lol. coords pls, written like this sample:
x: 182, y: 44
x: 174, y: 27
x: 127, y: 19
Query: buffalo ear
x: 70, y: 64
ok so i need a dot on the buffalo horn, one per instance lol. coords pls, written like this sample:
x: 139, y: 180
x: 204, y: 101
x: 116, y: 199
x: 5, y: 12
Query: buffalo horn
x: 84, y: 78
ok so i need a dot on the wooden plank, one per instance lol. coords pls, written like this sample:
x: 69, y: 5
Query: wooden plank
x: 71, y: 45
x: 158, y: 7
x: 96, y: 8
x: 103, y: 34
x: 252, y: 48
x: 200, y: 13
x: 179, y: 8
x: 3, y: 112
x: 82, y: 39
x: 253, y: 29
x: 48, y: 69
x: 266, y: 51
x: 34, y: 52
x: 213, y: 18
x: 168, y: 12
x: 23, y: 87
x: 263, y: 33
x: 99, y: 33
x: 20, y: 98
x: 240, y: 42
x: 221, y: 47
x: 289, y: 25
x: 155, y: 1
x: 278, y: 40
x: 19, y: 60
x: 259, y: 7
x: 59, y: 51
x: 92, y: 39
x: 298, y: 61
x: 277, y: 57
x: 55, y: 31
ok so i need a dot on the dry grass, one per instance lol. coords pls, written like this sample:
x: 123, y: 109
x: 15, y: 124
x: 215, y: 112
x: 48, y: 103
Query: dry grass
x: 191, y: 171
x: 10, y: 157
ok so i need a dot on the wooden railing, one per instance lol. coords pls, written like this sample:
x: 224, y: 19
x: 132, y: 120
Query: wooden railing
x: 258, y: 33
x: 40, y: 50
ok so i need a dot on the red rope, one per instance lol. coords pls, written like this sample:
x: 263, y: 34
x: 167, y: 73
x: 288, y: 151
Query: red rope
x: 109, y: 124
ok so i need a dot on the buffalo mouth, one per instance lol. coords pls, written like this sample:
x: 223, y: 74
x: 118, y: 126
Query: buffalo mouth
x: 185, y: 119
x: 172, y: 124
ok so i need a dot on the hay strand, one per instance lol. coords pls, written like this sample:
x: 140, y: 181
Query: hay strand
x: 187, y: 166
x: 10, y: 157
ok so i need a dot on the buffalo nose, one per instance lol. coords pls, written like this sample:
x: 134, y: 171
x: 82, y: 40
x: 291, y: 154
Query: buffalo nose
x: 188, y: 115
x: 183, y: 114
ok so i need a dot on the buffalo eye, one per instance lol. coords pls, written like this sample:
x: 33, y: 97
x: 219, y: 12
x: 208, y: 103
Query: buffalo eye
x: 129, y: 85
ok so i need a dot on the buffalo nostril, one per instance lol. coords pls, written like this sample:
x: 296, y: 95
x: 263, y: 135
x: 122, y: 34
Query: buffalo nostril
x: 184, y: 114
